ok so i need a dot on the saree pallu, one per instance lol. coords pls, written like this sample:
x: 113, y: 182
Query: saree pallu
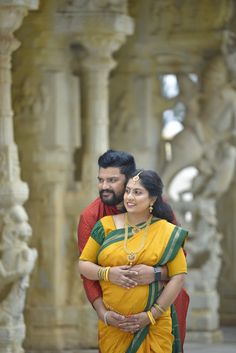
x: 163, y: 245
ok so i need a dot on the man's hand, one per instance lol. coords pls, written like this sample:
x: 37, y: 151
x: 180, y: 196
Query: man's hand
x: 123, y: 276
x: 143, y: 274
x: 134, y: 323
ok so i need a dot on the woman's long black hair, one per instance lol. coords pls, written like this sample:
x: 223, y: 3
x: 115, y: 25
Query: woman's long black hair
x: 151, y: 181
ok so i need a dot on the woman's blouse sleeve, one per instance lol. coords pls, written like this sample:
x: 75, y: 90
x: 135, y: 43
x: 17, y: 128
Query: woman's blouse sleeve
x: 178, y: 264
x: 93, y: 244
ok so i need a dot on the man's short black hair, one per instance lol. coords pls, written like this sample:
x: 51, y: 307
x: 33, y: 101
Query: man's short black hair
x: 118, y: 159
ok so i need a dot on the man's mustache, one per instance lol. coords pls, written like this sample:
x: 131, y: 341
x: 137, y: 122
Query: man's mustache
x: 106, y: 191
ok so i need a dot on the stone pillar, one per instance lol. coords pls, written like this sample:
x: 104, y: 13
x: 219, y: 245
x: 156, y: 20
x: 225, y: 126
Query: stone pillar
x: 227, y: 221
x: 96, y: 67
x: 132, y: 105
x: 17, y: 259
x: 100, y: 28
x: 46, y: 99
x: 97, y: 29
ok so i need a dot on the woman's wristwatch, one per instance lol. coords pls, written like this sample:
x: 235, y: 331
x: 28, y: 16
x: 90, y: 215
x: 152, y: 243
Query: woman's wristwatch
x: 157, y: 273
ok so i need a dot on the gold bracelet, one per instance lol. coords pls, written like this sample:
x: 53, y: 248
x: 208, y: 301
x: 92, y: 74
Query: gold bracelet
x: 151, y: 318
x: 106, y: 276
x: 159, y: 308
x: 101, y: 273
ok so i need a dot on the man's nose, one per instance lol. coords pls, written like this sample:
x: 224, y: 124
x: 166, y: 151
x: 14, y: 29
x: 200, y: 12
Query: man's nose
x: 105, y: 185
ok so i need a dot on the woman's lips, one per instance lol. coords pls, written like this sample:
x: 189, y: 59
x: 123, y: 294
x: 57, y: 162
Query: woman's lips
x: 129, y: 204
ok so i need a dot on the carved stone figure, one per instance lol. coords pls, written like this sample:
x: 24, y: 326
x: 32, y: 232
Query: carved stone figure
x: 16, y: 263
x: 192, y: 134
x: 210, y: 132
x: 215, y: 160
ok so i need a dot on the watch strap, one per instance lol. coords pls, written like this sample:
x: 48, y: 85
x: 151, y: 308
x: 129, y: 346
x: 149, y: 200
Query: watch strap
x: 157, y: 273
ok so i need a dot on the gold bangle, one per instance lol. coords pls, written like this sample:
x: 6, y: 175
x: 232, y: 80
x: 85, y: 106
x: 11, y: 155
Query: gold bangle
x: 103, y: 273
x: 100, y: 273
x: 151, y: 318
x: 159, y: 308
x: 106, y: 276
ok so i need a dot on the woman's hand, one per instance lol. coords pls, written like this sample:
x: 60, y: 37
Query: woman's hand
x: 134, y: 323
x: 121, y: 275
x: 114, y: 319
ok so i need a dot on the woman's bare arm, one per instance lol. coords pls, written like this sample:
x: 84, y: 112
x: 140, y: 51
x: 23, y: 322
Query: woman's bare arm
x: 118, y: 274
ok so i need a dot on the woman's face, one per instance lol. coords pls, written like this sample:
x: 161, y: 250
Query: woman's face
x: 136, y: 198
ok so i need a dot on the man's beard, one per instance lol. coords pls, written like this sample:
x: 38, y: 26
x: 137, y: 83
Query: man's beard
x: 114, y: 200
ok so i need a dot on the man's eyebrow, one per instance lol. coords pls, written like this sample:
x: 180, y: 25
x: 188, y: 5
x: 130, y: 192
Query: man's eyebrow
x: 110, y: 177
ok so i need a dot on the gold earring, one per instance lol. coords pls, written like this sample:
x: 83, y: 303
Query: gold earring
x: 151, y: 208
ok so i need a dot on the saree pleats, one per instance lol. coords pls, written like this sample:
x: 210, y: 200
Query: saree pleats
x: 159, y: 338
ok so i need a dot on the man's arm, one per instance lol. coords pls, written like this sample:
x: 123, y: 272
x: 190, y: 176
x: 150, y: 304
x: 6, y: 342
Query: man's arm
x: 92, y: 288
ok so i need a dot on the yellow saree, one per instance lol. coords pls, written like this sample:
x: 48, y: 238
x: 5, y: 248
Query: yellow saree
x: 163, y: 246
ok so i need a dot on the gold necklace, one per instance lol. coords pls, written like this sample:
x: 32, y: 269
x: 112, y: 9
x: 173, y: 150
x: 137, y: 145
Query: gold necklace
x: 132, y: 255
x: 135, y: 228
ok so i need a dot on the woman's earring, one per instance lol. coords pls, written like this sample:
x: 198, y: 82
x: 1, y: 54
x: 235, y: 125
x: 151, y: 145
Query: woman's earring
x: 151, y: 208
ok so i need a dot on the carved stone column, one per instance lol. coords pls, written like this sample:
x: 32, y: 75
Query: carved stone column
x: 17, y: 259
x: 96, y: 67
x: 46, y: 99
x: 132, y: 104
x: 101, y: 28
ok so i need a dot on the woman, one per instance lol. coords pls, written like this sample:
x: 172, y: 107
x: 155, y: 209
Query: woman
x: 142, y: 235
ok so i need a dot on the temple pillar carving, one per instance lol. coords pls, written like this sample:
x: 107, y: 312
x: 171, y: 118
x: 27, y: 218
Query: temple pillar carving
x: 46, y: 99
x: 100, y: 28
x: 48, y: 130
x: 211, y: 134
x: 17, y: 260
x: 96, y: 68
x: 132, y: 103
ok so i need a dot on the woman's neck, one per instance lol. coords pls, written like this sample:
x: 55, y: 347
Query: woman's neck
x: 136, y: 218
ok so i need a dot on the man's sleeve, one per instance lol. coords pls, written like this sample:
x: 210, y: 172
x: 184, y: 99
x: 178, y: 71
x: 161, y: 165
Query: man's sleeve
x: 92, y: 288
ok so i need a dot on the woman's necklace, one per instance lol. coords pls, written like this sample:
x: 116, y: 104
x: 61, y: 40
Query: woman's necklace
x: 132, y: 255
x: 135, y: 228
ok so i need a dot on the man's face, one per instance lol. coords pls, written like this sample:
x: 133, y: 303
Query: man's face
x: 111, y: 185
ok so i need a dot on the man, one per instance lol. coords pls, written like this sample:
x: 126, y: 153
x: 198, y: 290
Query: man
x: 115, y: 167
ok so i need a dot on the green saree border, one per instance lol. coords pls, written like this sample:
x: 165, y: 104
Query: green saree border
x: 117, y: 235
x: 177, y: 345
x: 174, y: 244
x: 140, y: 335
x: 176, y: 240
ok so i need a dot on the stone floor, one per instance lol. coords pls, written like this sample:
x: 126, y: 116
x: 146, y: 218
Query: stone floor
x: 228, y: 346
